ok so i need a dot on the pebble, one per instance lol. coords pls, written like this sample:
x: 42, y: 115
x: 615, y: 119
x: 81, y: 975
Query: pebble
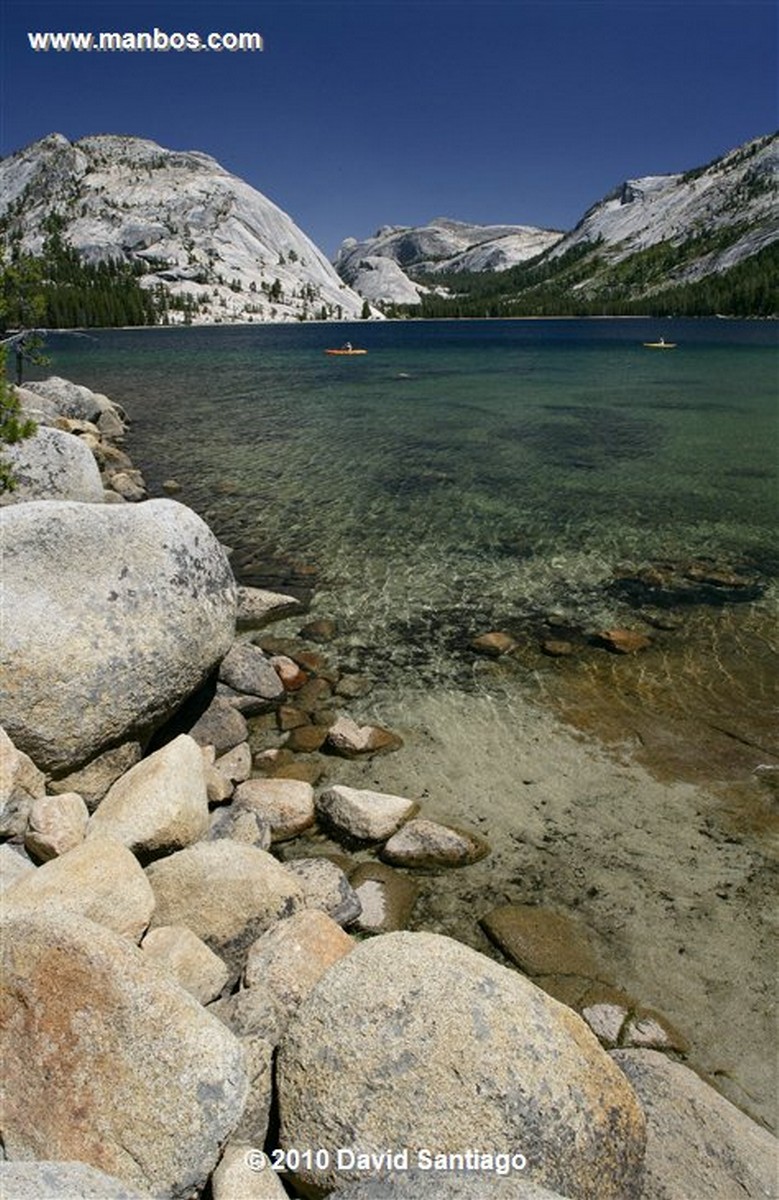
x: 365, y: 815
x: 387, y: 898
x: 495, y: 643
x: 423, y: 843
x: 623, y: 641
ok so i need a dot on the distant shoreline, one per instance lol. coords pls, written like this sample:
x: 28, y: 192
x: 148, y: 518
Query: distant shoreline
x: 87, y: 329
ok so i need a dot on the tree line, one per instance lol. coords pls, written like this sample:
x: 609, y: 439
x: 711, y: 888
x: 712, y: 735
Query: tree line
x: 582, y: 283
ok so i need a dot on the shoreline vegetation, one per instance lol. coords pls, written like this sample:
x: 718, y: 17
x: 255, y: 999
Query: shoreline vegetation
x: 60, y: 291
x: 205, y: 935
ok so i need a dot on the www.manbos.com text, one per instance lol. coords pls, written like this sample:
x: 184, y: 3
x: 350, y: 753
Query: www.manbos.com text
x: 154, y: 40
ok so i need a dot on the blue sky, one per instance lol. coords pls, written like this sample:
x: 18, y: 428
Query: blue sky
x: 360, y: 113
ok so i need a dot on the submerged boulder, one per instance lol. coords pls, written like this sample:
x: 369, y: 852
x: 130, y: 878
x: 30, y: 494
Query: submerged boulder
x: 112, y: 616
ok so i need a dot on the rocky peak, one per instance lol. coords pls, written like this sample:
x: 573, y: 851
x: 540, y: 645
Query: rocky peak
x: 442, y: 245
x: 221, y: 250
x: 737, y: 192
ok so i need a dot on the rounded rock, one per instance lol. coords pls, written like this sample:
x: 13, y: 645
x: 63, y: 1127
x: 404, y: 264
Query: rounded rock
x: 98, y: 879
x: 365, y: 815
x: 113, y: 614
x: 698, y: 1143
x: 225, y: 892
x: 108, y: 1063
x: 423, y: 843
x: 414, y: 1040
x: 286, y: 804
x: 326, y: 887
x: 52, y: 465
x: 57, y: 824
x: 161, y: 803
x: 33, y: 1180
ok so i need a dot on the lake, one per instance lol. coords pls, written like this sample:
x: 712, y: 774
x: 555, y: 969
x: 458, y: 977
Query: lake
x: 552, y: 479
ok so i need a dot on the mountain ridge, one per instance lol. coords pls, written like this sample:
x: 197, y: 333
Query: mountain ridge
x: 644, y: 237
x: 442, y: 245
x: 127, y: 231
x: 211, y: 248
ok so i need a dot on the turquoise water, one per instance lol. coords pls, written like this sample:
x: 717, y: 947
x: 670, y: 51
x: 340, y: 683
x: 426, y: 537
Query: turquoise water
x: 461, y: 473
x: 466, y: 476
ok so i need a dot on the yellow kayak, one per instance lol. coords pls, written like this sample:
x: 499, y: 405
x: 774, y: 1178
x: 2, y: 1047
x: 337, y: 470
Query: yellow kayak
x: 345, y: 351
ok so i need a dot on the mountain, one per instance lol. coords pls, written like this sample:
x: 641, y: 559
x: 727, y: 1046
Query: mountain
x: 703, y: 241
x: 383, y: 268
x: 718, y: 214
x: 118, y: 230
x: 202, y: 243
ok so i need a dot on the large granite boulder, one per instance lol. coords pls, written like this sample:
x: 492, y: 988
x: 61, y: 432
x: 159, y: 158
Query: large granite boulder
x: 21, y: 784
x: 414, y: 1040
x: 112, y: 615
x: 99, y: 880
x: 225, y: 892
x: 420, y: 1183
x: 41, y: 409
x: 14, y: 865
x: 52, y: 465
x: 697, y: 1143
x: 160, y: 805
x: 69, y: 399
x: 107, y: 1063
x: 35, y: 1180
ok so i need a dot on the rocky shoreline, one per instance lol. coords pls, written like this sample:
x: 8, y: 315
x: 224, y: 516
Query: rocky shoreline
x: 207, y: 969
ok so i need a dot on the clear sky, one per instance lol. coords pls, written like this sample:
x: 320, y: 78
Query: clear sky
x: 360, y: 113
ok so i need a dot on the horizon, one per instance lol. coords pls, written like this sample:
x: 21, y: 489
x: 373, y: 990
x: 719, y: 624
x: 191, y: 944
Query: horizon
x: 357, y: 115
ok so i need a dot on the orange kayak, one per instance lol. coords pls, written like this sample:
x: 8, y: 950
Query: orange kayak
x: 346, y: 351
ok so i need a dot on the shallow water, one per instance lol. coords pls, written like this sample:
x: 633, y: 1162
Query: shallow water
x: 466, y: 476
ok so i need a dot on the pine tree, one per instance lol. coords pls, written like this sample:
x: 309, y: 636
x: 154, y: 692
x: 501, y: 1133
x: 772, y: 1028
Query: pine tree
x: 13, y: 425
